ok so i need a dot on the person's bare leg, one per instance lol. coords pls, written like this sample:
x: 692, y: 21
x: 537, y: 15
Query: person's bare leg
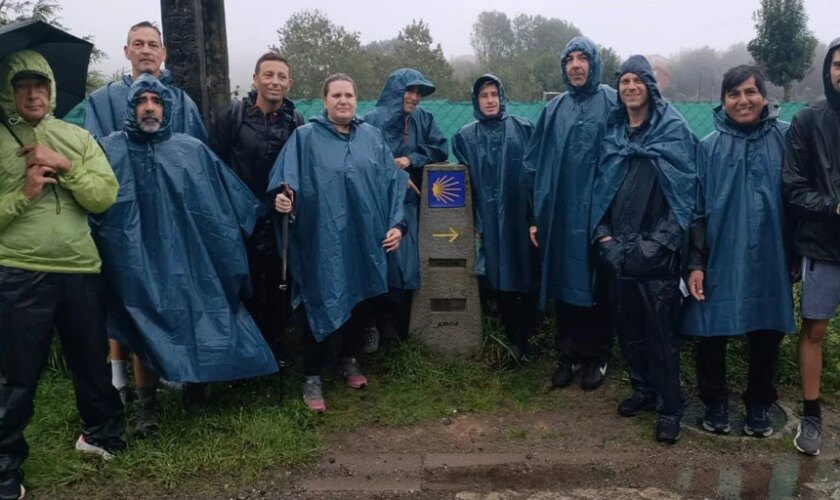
x: 810, y: 356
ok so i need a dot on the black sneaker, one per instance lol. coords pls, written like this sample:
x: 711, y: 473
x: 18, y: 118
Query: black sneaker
x: 757, y: 422
x: 564, y: 374
x: 11, y: 485
x: 105, y: 448
x: 716, y: 417
x: 668, y: 429
x: 636, y: 404
x: 592, y: 375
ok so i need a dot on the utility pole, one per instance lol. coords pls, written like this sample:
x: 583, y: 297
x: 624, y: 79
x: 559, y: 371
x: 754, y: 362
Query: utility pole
x: 197, y: 55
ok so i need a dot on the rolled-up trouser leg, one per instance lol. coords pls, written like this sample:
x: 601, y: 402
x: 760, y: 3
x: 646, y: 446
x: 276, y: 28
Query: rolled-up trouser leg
x: 27, y: 311
x: 661, y: 301
x: 80, y: 321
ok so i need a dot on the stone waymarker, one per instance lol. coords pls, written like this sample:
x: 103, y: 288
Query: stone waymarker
x: 446, y: 312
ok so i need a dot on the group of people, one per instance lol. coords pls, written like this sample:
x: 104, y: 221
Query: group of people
x: 180, y: 246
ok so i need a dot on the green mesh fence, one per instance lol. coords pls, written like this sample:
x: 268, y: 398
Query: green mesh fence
x: 451, y: 116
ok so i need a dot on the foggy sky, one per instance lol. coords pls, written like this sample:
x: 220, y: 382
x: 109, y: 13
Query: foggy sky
x: 629, y: 26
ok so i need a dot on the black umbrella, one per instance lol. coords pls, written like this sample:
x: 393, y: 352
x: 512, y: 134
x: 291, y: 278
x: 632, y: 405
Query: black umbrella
x: 67, y: 55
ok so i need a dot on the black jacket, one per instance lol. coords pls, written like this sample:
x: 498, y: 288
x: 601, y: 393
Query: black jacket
x: 249, y: 142
x: 811, y: 173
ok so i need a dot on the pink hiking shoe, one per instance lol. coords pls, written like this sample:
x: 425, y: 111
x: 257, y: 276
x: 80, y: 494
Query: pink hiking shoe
x: 350, y: 370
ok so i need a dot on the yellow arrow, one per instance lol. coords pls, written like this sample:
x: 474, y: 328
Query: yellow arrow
x: 452, y: 235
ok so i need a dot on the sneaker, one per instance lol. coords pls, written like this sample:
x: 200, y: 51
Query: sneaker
x: 757, y: 422
x: 107, y: 449
x: 635, y: 404
x: 808, y: 435
x: 592, y: 375
x: 371, y: 339
x: 667, y: 429
x: 564, y: 374
x: 147, y: 421
x: 350, y: 370
x: 716, y: 418
x: 11, y: 486
x: 313, y: 397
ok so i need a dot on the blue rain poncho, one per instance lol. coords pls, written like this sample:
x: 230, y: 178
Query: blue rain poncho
x: 561, y: 160
x: 105, y: 109
x: 746, y: 280
x: 418, y: 137
x: 173, y: 254
x: 492, y: 148
x: 668, y: 145
x: 348, y: 194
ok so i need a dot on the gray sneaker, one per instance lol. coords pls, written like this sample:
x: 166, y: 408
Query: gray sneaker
x: 808, y: 436
x: 352, y: 373
x: 313, y: 397
x: 371, y: 339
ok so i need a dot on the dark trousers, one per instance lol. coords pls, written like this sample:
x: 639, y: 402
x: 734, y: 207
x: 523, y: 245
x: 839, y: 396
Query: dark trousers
x: 391, y: 313
x: 268, y: 305
x: 351, y: 333
x: 763, y: 368
x: 647, y: 315
x: 32, y: 306
x: 519, y: 313
x: 584, y: 334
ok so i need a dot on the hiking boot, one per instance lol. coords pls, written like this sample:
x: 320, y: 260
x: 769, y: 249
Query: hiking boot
x: 592, y: 375
x: 126, y: 395
x: 11, y: 485
x: 635, y: 404
x: 105, y: 448
x: 808, y: 435
x: 147, y: 421
x: 350, y: 370
x: 668, y: 429
x: 371, y: 339
x: 716, y: 417
x: 313, y: 397
x: 757, y: 422
x: 564, y: 374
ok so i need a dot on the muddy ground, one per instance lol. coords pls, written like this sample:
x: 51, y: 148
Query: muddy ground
x: 582, y: 450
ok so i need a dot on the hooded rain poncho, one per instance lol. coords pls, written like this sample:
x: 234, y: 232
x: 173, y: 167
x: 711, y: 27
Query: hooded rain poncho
x: 173, y: 251
x: 418, y: 137
x: 348, y: 194
x: 493, y: 149
x: 105, y: 109
x: 746, y: 279
x: 561, y: 160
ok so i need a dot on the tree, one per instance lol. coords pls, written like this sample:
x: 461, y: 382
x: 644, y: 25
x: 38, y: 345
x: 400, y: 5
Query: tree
x: 416, y: 48
x: 316, y: 48
x: 492, y: 39
x: 783, y: 46
x: 612, y: 62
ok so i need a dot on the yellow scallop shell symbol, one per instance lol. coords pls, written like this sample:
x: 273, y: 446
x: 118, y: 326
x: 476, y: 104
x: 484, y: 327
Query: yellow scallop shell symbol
x: 446, y: 189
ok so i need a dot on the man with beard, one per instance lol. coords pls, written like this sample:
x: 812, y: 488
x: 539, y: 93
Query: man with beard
x: 248, y: 136
x: 561, y: 160
x: 812, y: 190
x: 173, y: 252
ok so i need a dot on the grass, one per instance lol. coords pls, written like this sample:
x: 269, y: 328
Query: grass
x: 247, y: 428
